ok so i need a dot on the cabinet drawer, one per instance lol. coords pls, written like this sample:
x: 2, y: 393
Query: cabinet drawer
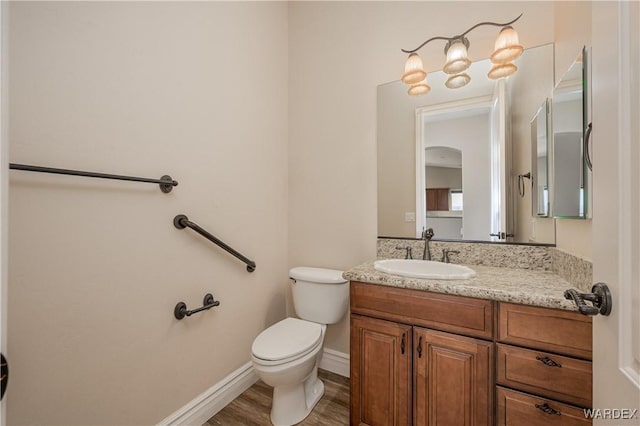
x: 457, y: 314
x: 552, y: 330
x: 553, y: 376
x: 520, y: 409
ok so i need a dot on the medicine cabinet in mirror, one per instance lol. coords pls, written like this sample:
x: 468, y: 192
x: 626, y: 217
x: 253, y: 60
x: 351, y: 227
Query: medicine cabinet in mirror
x: 448, y: 160
x: 571, y: 174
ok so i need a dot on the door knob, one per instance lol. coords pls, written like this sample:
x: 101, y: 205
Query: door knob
x: 4, y: 375
x: 600, y: 297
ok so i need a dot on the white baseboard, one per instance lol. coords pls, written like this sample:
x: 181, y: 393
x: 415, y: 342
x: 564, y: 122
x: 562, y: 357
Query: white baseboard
x: 214, y: 399
x: 335, y: 362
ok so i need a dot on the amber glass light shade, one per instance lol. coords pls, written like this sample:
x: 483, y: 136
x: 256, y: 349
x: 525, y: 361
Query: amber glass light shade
x: 420, y: 88
x: 507, y: 47
x: 413, y: 70
x: 457, y: 60
x: 457, y: 81
x: 499, y: 71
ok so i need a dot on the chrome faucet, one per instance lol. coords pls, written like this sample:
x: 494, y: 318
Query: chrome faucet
x: 427, y: 235
x: 408, y: 249
x: 446, y: 253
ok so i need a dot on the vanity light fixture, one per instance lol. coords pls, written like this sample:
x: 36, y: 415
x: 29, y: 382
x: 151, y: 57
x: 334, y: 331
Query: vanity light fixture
x: 507, y: 48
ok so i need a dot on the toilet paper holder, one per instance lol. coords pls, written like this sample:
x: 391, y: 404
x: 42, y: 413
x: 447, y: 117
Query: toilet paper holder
x: 181, y: 311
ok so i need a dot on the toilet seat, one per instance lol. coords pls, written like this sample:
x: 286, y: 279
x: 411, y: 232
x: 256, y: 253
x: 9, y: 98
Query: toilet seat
x: 285, y: 341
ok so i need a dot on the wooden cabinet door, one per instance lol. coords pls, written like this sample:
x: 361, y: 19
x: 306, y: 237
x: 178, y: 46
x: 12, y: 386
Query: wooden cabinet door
x: 437, y: 199
x: 380, y: 372
x: 453, y: 379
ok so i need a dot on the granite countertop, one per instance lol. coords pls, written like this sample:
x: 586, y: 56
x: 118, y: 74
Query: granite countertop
x: 523, y: 286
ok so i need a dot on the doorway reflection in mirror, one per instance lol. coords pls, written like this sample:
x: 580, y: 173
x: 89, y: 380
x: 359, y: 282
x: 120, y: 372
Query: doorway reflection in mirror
x: 457, y: 187
x: 443, y: 192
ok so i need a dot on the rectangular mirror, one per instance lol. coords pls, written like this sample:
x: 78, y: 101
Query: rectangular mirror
x: 540, y: 191
x: 445, y: 158
x: 569, y: 167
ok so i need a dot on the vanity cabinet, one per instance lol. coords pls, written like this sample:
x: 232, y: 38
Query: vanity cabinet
x: 544, y: 371
x: 422, y: 358
x: 415, y: 358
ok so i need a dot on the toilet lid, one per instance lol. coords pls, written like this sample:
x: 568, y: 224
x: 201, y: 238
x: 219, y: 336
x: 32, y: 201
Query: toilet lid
x: 286, y: 339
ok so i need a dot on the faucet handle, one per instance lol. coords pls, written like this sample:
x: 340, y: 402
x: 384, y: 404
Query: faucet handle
x: 446, y: 253
x: 408, y: 249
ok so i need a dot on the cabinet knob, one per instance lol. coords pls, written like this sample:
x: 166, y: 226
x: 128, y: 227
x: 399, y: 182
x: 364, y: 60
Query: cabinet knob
x: 419, y: 349
x: 403, y: 343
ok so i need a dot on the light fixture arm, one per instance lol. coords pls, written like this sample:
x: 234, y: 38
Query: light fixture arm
x: 495, y: 24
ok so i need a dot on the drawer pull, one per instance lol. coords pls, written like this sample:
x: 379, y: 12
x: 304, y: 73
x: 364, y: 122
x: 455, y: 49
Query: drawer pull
x: 548, y: 362
x: 548, y: 410
x: 420, y: 347
x: 402, y: 344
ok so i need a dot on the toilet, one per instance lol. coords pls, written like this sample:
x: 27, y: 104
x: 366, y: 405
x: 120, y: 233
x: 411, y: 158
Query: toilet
x: 286, y: 355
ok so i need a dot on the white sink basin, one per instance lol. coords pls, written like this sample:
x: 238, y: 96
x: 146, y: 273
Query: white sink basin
x: 424, y: 269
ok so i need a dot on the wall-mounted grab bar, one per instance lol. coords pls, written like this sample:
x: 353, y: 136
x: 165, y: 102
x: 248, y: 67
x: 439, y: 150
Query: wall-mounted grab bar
x: 166, y: 182
x: 181, y: 311
x: 181, y: 221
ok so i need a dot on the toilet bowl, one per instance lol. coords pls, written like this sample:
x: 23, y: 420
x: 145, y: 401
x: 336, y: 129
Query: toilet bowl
x: 292, y: 370
x: 287, y: 354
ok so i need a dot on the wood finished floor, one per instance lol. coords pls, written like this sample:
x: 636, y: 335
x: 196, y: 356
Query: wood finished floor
x: 252, y: 407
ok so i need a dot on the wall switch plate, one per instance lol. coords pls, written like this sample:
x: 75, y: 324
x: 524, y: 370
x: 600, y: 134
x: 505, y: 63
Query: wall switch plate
x: 410, y: 217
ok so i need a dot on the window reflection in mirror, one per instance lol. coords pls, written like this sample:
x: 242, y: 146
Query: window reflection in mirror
x: 568, y: 126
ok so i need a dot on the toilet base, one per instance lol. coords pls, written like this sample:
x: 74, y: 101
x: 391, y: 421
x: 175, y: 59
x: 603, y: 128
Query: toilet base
x: 292, y: 404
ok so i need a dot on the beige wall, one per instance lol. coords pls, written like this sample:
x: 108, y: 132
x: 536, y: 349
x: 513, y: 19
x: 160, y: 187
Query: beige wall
x: 443, y: 177
x: 196, y: 90
x: 338, y: 54
x: 396, y: 163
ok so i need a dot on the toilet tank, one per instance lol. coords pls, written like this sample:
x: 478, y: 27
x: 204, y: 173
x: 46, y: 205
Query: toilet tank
x: 319, y: 295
